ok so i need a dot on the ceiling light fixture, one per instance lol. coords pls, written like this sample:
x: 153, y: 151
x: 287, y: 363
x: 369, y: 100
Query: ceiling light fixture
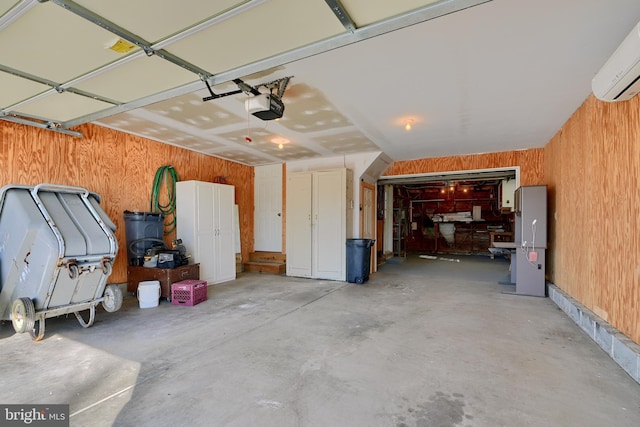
x: 280, y: 142
x: 408, y: 121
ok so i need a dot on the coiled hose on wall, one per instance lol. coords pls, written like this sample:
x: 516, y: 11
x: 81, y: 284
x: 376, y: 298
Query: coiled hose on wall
x: 168, y: 176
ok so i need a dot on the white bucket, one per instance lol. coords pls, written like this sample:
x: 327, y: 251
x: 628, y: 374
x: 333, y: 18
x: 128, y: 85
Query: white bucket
x: 149, y: 293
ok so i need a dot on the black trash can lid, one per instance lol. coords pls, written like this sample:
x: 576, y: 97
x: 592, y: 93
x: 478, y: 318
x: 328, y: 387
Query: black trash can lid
x: 360, y: 242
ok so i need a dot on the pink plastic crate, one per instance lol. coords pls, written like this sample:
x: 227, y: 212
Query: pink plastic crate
x: 188, y: 292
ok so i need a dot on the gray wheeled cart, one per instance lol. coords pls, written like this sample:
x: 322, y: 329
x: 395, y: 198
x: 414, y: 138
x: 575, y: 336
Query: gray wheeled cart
x: 57, y: 248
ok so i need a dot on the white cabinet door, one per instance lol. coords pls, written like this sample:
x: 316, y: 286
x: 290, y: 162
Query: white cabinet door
x: 299, y: 224
x: 204, y: 215
x: 328, y: 220
x: 223, y: 217
x: 204, y: 233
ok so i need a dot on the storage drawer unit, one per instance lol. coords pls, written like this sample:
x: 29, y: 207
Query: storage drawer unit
x: 166, y: 276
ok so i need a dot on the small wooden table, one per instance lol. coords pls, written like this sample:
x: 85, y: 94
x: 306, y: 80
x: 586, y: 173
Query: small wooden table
x: 166, y: 276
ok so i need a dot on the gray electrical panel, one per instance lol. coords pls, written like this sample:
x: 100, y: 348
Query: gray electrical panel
x: 531, y: 238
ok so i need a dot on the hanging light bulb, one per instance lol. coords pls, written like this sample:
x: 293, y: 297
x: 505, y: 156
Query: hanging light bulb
x: 280, y: 146
x: 407, y: 127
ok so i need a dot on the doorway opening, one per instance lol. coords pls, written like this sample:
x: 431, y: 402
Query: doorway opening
x: 441, y: 214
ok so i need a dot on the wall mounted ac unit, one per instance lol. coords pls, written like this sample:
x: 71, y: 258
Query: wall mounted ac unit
x: 619, y: 78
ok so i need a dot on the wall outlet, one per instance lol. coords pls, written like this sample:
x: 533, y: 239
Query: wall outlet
x: 533, y: 256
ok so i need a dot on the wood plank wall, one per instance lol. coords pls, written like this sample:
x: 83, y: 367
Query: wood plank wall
x: 117, y: 166
x: 530, y: 162
x: 592, y: 169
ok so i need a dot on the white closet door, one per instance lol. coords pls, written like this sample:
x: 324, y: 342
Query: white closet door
x: 329, y: 223
x: 268, y: 208
x: 205, y: 230
x: 298, y: 224
x: 225, y: 260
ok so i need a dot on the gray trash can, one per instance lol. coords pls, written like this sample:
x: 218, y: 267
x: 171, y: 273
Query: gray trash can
x: 58, y: 250
x: 142, y: 230
x: 358, y: 260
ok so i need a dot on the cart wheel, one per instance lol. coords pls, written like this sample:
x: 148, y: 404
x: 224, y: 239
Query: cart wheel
x: 23, y: 315
x: 37, y: 336
x: 74, y: 271
x: 112, y: 298
x: 107, y: 268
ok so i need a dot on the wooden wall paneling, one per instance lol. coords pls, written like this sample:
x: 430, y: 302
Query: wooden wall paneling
x: 632, y: 316
x: 593, y: 215
x: 551, y: 173
x: 616, y: 176
x: 531, y: 164
x: 618, y: 132
x: 117, y: 166
x: 370, y: 211
x: 576, y: 208
x: 242, y: 179
x: 592, y: 168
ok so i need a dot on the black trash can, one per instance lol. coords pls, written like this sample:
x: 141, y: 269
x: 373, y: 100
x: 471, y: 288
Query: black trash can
x: 358, y: 260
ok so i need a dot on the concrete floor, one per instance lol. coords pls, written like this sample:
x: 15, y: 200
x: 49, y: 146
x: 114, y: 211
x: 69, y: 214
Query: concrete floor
x: 423, y: 343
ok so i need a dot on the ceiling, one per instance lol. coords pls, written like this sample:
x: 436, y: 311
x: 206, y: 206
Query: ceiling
x: 470, y: 76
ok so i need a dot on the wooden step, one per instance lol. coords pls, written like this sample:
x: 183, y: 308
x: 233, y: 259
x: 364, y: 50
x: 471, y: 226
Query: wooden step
x: 239, y: 266
x: 268, y: 257
x: 265, y: 267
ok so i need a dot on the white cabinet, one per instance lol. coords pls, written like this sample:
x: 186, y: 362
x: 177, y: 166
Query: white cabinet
x: 204, y: 215
x: 319, y: 217
x: 508, y: 190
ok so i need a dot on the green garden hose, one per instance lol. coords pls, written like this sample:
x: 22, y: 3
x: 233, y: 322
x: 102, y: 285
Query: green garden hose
x: 169, y: 176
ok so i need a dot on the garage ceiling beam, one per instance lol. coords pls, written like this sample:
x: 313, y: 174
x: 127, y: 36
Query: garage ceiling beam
x: 342, y: 14
x: 125, y: 34
x: 42, y: 125
x: 16, y: 12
